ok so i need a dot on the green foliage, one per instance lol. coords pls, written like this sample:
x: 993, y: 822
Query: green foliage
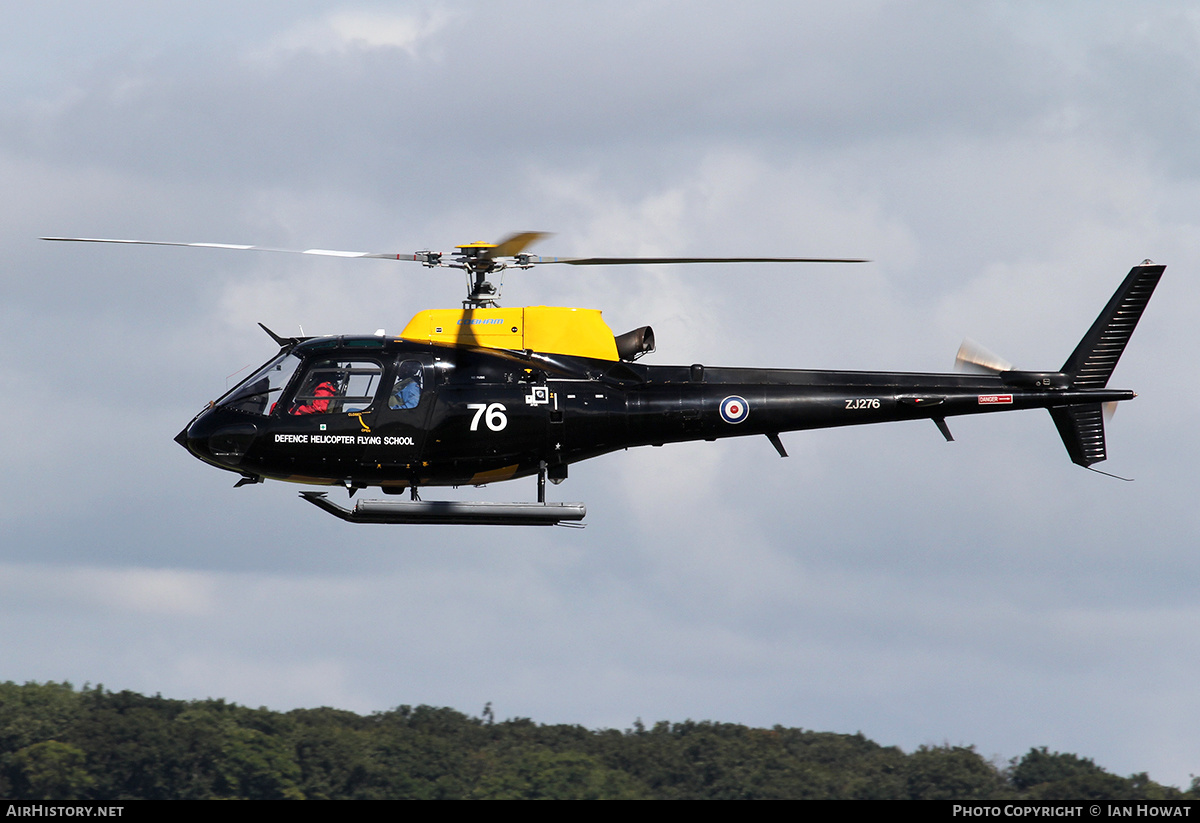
x: 29, y: 714
x: 1041, y: 767
x: 57, y: 743
x: 1045, y: 776
x: 541, y: 774
x: 34, y: 712
x: 51, y: 771
x: 953, y: 773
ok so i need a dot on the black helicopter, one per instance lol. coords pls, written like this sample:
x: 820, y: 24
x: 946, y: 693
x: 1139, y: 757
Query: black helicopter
x: 482, y: 394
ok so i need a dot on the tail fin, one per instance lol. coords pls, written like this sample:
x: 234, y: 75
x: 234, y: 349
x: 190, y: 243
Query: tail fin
x: 1092, y: 363
x: 1082, y: 431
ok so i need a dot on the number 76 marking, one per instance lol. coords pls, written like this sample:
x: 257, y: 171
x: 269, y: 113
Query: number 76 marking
x: 492, y: 414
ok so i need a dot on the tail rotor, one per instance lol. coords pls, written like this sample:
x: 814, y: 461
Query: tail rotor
x: 976, y: 359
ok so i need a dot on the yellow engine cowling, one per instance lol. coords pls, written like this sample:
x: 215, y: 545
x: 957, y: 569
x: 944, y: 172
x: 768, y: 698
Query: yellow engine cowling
x: 550, y: 329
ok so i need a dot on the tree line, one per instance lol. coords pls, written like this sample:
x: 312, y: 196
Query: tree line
x: 59, y: 743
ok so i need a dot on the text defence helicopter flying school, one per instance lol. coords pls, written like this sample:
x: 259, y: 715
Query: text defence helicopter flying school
x: 482, y: 394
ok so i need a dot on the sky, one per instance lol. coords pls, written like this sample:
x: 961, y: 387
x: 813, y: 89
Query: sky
x: 1002, y: 164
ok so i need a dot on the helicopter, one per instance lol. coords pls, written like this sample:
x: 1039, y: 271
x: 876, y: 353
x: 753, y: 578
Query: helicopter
x: 484, y: 394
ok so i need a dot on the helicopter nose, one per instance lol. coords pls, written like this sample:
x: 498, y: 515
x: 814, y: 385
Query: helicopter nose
x: 218, y: 441
x: 228, y: 444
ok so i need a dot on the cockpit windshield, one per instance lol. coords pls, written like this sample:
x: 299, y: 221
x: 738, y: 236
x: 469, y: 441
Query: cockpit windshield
x: 258, y: 393
x: 337, y: 385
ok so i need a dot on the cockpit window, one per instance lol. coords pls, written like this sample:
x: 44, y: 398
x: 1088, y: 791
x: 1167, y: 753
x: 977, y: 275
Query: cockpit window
x: 259, y: 393
x: 406, y: 393
x: 337, y: 385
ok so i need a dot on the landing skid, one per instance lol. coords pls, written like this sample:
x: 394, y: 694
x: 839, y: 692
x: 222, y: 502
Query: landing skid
x: 450, y: 512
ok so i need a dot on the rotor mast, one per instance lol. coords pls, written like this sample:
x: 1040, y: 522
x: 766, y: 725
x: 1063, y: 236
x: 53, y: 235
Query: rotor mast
x: 478, y: 260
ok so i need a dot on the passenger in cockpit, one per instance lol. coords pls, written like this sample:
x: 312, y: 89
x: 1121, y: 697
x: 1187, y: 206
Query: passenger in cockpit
x: 318, y: 396
x: 406, y: 394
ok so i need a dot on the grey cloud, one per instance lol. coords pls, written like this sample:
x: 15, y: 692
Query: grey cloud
x: 991, y: 159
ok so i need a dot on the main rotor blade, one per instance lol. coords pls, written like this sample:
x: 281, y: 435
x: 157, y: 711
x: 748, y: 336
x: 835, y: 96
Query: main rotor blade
x: 320, y: 252
x: 623, y: 261
x: 510, y: 246
x: 514, y: 244
x: 973, y: 357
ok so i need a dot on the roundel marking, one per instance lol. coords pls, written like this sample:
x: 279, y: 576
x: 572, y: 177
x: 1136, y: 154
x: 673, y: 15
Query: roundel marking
x: 734, y: 409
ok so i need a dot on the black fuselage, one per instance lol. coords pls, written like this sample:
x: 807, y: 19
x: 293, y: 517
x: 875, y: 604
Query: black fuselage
x: 396, y: 414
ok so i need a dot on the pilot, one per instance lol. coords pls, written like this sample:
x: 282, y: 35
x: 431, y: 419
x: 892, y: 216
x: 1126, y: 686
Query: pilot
x: 320, y: 397
x: 406, y: 394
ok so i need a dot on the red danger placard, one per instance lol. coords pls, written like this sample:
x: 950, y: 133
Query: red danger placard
x: 992, y: 399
